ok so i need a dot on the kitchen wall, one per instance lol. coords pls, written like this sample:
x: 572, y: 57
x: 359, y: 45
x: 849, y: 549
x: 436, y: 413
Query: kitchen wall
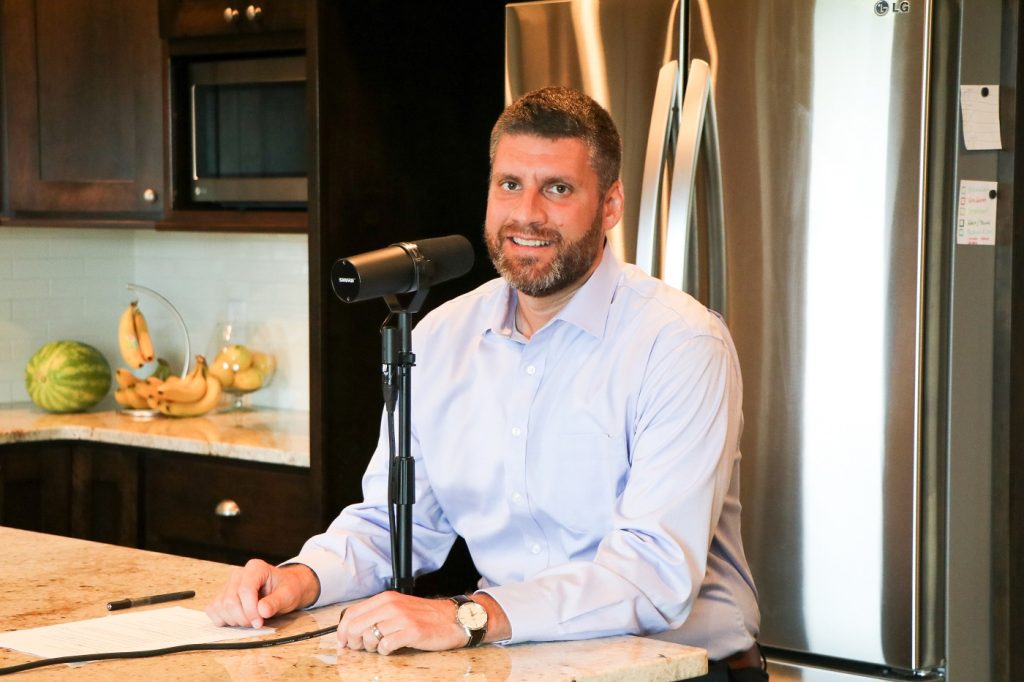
x: 61, y: 283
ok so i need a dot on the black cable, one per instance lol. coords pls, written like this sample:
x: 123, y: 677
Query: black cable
x: 389, y: 340
x: 149, y: 653
x: 392, y: 491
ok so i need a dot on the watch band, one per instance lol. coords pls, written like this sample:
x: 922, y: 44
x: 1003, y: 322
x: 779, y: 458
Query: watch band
x: 474, y: 636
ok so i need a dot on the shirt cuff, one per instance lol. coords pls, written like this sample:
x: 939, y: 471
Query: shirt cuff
x: 530, y: 616
x: 329, y: 572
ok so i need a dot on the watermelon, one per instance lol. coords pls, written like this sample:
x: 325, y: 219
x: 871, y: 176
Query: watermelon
x: 67, y: 376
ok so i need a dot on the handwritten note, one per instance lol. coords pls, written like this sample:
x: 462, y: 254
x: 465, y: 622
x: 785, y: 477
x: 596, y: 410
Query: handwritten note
x: 976, y: 213
x: 979, y: 107
x: 152, y: 629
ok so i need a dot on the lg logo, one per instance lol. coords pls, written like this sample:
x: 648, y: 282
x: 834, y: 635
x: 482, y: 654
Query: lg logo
x: 882, y: 7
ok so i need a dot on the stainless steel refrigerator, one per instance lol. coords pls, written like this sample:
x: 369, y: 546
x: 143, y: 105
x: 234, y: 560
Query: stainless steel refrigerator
x: 795, y: 164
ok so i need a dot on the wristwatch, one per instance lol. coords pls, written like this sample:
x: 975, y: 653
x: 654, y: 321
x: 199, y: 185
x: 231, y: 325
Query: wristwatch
x: 472, y: 617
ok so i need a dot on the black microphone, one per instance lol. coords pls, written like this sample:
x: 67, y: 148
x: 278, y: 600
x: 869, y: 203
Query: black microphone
x: 401, y: 268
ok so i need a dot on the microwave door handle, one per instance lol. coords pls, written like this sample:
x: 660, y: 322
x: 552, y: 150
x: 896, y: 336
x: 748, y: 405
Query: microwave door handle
x: 659, y: 142
x: 678, y: 259
x: 192, y: 128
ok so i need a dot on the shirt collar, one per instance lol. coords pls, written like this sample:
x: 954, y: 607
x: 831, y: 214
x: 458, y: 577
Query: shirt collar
x: 589, y: 306
x: 587, y: 309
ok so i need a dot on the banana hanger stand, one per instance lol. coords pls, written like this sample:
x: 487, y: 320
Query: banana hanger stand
x: 397, y: 361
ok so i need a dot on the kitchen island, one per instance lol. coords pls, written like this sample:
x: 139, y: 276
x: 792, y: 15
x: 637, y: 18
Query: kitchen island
x: 50, y: 579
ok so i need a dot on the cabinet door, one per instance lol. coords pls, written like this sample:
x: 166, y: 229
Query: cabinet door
x: 83, y: 95
x: 105, y: 494
x: 194, y: 18
x: 226, y: 510
x: 35, y: 487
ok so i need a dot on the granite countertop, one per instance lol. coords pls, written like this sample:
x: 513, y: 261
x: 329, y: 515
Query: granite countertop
x: 51, y: 579
x: 260, y: 435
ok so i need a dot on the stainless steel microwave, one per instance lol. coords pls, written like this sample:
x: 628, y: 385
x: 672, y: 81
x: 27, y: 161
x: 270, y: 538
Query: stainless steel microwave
x: 248, y: 131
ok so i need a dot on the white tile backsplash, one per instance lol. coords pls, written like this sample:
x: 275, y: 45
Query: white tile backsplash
x: 71, y: 283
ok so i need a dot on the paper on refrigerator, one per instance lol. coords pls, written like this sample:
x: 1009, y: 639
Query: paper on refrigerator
x: 979, y: 108
x: 976, y: 213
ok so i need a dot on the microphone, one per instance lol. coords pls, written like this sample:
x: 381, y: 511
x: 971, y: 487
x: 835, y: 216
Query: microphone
x: 401, y: 268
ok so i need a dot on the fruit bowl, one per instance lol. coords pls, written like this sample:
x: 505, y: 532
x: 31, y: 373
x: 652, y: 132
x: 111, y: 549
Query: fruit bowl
x: 241, y: 361
x: 136, y: 394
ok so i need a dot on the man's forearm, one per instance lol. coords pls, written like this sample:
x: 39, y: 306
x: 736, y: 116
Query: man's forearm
x: 308, y: 583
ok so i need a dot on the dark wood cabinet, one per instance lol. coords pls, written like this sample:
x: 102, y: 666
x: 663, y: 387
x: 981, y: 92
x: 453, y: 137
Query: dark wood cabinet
x: 35, y: 487
x: 405, y: 101
x: 77, y: 489
x: 226, y: 510
x: 202, y: 18
x: 83, y: 98
x: 199, y: 506
x: 104, y: 496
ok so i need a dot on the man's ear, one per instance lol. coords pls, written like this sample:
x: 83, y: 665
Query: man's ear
x: 612, y: 207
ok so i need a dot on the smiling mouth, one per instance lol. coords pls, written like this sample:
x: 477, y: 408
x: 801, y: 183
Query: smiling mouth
x: 522, y: 241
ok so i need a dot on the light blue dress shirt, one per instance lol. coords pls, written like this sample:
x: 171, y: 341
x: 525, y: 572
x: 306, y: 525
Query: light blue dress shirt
x: 592, y: 469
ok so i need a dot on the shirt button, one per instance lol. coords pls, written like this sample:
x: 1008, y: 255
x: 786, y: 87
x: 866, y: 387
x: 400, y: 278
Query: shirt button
x: 516, y: 432
x: 535, y: 549
x: 517, y: 498
x: 531, y: 370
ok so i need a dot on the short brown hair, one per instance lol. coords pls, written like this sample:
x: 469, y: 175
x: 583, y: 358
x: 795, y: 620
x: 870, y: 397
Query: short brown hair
x: 556, y: 113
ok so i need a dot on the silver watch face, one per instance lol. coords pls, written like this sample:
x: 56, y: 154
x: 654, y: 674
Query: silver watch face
x: 472, y: 615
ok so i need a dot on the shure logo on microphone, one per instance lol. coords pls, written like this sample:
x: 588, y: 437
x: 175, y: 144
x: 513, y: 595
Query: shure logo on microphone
x: 346, y: 280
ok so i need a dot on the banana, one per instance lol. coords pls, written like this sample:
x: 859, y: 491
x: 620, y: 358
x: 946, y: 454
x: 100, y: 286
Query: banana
x: 127, y: 397
x: 125, y: 379
x: 147, y: 388
x: 142, y: 334
x: 187, y: 390
x: 194, y: 409
x: 128, y: 339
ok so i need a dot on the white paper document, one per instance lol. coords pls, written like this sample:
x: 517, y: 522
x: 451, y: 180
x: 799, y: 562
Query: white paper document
x: 154, y: 629
x: 976, y: 213
x: 979, y: 106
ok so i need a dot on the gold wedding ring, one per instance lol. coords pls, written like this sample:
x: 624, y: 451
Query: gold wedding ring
x: 376, y: 632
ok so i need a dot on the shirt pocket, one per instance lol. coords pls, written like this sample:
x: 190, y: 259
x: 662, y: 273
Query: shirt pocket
x: 586, y: 472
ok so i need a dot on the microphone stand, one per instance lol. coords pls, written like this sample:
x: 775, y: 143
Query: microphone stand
x: 398, y: 360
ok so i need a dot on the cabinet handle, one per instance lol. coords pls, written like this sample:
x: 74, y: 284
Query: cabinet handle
x: 253, y: 12
x: 230, y: 15
x: 227, y: 508
x: 149, y: 195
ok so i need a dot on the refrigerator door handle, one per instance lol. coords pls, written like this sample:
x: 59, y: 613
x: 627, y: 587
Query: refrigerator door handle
x: 660, y: 138
x: 698, y: 131
x: 715, y: 210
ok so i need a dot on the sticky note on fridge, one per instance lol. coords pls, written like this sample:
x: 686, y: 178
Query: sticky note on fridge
x: 979, y: 108
x: 976, y: 213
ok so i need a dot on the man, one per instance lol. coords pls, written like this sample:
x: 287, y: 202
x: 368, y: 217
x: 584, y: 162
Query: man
x: 580, y: 431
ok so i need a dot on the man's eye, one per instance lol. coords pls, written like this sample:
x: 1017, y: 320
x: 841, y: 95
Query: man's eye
x: 509, y: 185
x: 560, y: 189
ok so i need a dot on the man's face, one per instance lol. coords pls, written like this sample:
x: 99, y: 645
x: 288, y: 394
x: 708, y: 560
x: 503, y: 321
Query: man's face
x: 545, y: 217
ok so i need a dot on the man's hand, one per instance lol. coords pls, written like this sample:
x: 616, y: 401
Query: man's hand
x: 404, y: 621
x: 258, y: 591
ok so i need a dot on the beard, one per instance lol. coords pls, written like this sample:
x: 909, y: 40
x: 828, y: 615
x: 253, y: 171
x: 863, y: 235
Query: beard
x: 527, y: 274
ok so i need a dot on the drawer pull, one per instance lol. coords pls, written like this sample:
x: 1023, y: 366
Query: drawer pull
x: 227, y: 508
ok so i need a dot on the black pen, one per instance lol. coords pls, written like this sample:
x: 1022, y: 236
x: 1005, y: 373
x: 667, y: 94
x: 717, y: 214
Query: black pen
x: 144, y: 601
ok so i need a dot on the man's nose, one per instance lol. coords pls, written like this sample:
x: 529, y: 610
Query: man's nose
x: 529, y: 208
